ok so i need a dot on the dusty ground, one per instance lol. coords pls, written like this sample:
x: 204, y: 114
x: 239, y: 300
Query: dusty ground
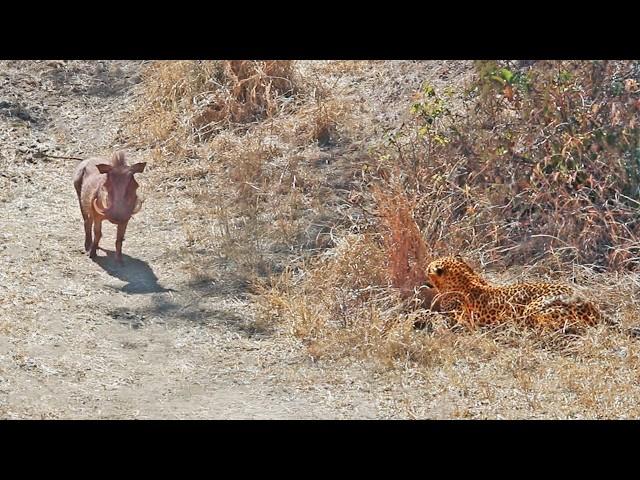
x: 89, y: 339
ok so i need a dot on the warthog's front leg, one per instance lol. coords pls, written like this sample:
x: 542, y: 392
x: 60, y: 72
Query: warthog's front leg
x: 97, y: 234
x: 122, y: 227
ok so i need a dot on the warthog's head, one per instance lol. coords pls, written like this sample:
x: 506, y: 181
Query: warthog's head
x: 118, y: 194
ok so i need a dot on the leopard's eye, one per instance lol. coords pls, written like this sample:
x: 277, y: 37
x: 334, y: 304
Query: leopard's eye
x: 439, y: 271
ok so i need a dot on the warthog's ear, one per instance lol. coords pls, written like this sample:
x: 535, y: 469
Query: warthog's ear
x: 104, y: 167
x: 138, y: 167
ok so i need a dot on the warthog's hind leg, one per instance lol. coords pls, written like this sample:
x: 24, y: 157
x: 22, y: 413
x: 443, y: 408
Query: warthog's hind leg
x: 88, y: 223
x: 77, y: 183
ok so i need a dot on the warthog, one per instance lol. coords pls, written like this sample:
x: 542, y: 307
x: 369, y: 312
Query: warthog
x: 107, y: 190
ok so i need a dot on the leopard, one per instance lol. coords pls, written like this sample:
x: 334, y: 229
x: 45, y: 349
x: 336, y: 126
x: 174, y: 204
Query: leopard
x: 475, y: 301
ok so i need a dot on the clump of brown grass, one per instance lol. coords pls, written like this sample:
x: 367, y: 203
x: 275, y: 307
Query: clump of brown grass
x: 324, y: 127
x: 246, y: 91
x: 186, y: 101
x: 406, y: 251
x: 167, y: 90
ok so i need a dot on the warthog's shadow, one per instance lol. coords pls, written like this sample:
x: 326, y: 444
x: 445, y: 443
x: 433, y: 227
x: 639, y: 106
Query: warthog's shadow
x: 137, y: 273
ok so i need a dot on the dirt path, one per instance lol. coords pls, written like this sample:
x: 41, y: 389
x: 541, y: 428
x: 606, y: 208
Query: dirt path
x: 90, y: 339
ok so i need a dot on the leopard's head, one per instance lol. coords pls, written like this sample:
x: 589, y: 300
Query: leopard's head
x: 451, y: 274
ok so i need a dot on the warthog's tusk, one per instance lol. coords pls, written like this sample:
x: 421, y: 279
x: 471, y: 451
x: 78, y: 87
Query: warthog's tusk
x: 138, y: 206
x: 98, y: 209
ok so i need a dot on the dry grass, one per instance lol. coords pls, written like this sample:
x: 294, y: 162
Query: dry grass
x: 186, y: 100
x: 405, y: 248
x: 243, y: 139
x: 550, y: 168
x: 358, y: 302
x: 509, y: 371
x: 338, y: 229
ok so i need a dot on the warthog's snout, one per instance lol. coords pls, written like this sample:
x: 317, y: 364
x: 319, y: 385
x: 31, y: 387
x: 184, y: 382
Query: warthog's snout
x: 117, y: 220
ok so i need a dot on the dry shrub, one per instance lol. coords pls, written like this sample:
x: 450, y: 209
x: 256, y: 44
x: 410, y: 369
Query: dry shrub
x: 166, y: 97
x: 545, y: 159
x: 406, y: 251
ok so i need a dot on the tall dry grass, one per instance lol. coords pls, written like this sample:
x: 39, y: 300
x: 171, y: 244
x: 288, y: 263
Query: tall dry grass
x: 506, y: 172
x: 242, y: 138
x: 188, y: 101
x: 458, y: 181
